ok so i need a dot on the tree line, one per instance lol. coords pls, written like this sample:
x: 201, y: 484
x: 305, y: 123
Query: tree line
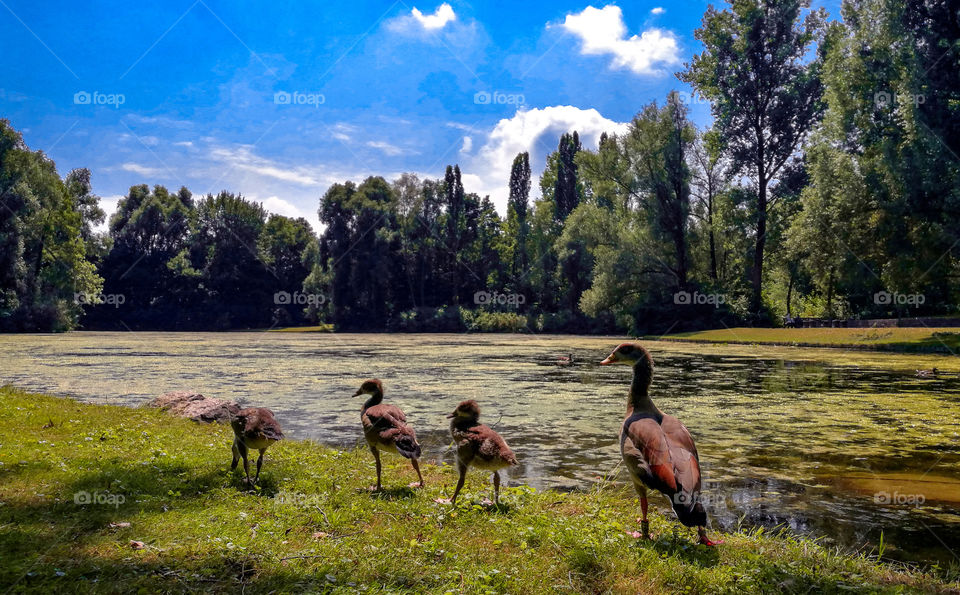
x: 828, y: 185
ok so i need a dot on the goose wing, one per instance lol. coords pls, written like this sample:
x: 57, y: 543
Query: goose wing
x: 646, y: 452
x: 387, y: 424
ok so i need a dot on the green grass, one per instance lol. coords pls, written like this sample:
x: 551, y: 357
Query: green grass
x: 311, y: 525
x: 893, y: 339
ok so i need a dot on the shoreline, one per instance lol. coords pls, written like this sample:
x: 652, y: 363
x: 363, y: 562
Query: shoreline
x: 312, y: 525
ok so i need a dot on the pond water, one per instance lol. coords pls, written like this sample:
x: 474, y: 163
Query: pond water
x: 839, y: 445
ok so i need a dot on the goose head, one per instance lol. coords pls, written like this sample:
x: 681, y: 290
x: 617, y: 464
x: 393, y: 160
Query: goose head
x: 626, y: 353
x: 465, y: 411
x: 370, y: 387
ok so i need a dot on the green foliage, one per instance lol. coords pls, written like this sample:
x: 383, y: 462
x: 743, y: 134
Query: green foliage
x: 764, y: 93
x: 47, y: 246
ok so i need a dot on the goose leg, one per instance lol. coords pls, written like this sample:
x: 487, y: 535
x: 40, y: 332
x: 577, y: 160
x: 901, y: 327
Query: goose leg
x: 259, y: 464
x: 644, y: 523
x: 496, y: 487
x: 246, y: 462
x: 376, y: 457
x: 416, y: 467
x: 463, y: 476
x: 236, y: 456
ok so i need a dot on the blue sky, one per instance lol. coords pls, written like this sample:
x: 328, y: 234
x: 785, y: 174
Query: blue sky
x: 279, y: 100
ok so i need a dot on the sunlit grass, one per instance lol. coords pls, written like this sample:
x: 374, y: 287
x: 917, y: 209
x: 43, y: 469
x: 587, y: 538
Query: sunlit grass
x: 907, y: 339
x: 311, y: 526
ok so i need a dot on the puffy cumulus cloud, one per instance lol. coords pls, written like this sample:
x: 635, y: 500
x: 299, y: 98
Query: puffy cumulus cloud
x: 603, y: 32
x: 275, y: 204
x: 109, y: 205
x: 440, y: 17
x: 417, y: 20
x: 536, y: 131
x: 658, y: 10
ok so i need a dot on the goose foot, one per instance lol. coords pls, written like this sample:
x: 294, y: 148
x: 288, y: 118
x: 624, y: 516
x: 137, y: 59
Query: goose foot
x: 702, y: 538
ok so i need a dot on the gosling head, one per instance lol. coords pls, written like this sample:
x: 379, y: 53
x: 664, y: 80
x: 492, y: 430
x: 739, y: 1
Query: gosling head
x: 370, y: 387
x: 465, y: 411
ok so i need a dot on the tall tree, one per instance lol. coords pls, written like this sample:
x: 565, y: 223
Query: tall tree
x: 518, y: 226
x: 765, y: 93
x: 567, y: 189
x: 455, y: 223
x: 711, y: 175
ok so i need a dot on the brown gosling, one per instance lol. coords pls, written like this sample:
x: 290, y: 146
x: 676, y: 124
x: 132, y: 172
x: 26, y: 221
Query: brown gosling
x: 256, y: 428
x: 385, y: 428
x: 478, y: 446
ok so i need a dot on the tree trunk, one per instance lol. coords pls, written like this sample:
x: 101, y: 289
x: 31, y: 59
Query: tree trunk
x: 790, y: 293
x: 713, y: 246
x: 756, y: 300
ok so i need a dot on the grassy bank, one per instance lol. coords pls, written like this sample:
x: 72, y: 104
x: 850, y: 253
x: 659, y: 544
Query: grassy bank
x: 169, y: 515
x: 941, y: 340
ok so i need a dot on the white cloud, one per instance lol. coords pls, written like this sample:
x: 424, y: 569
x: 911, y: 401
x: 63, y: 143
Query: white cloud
x: 275, y: 204
x: 418, y: 21
x: 143, y: 170
x: 537, y: 131
x: 242, y: 158
x: 109, y: 206
x: 658, y: 10
x: 186, y: 143
x: 603, y: 32
x: 467, y: 144
x: 386, y: 148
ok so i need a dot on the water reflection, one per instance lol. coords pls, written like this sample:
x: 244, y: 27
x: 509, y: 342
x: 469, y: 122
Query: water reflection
x: 809, y: 445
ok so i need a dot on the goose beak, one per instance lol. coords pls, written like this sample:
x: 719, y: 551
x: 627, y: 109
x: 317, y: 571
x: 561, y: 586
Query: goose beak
x: 358, y: 393
x: 608, y: 361
x: 451, y: 415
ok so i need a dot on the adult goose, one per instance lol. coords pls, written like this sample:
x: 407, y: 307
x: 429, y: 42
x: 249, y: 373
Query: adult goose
x: 385, y: 428
x: 657, y: 449
x: 477, y: 446
x: 256, y: 428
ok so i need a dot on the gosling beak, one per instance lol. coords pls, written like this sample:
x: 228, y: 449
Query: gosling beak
x: 451, y: 415
x: 358, y: 393
x: 608, y: 361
